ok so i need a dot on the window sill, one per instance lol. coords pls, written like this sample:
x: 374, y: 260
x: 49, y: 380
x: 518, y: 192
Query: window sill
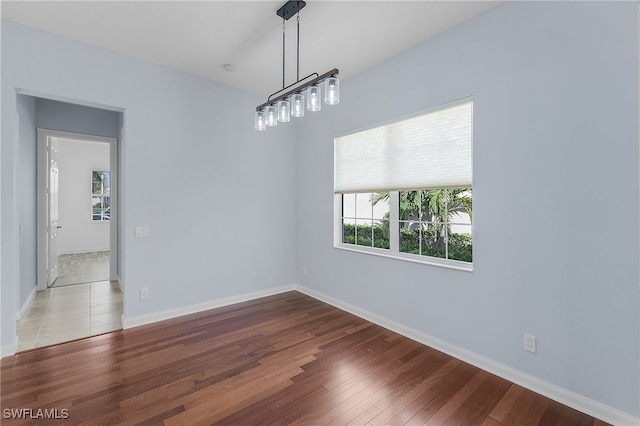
x: 433, y: 261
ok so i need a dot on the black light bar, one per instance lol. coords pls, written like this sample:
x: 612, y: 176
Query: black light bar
x: 319, y: 79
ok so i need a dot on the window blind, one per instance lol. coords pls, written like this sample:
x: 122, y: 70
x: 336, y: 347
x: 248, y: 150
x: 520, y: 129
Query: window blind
x: 428, y: 151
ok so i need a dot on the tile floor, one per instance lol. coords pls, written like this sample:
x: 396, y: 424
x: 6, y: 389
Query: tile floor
x: 67, y: 313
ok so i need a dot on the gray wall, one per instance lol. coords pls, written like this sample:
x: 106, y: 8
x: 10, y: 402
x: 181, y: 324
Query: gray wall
x: 218, y: 197
x: 67, y: 117
x: 556, y: 247
x: 34, y: 112
x: 556, y: 220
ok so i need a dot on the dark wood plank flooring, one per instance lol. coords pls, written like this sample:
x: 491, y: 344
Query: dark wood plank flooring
x: 284, y: 359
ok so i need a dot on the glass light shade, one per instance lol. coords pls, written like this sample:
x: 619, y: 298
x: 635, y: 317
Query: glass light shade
x: 314, y: 102
x: 331, y: 91
x: 284, y: 110
x: 260, y: 123
x: 271, y: 115
x: 297, y: 105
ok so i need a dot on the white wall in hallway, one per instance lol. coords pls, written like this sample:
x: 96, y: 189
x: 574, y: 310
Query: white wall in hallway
x: 77, y: 160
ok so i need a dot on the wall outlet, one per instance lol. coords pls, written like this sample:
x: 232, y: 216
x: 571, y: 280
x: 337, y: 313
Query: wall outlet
x: 529, y: 343
x: 305, y: 270
x: 144, y: 293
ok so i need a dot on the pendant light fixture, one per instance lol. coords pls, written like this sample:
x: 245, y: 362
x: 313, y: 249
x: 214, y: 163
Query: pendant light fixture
x: 290, y: 100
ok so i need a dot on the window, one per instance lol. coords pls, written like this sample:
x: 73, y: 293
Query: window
x: 436, y: 223
x: 404, y: 188
x: 365, y: 220
x: 100, y: 196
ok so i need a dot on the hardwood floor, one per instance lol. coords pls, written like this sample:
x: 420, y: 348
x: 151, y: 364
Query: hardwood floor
x: 284, y: 359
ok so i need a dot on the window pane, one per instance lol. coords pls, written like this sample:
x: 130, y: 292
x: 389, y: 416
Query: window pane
x: 363, y: 232
x: 365, y: 219
x: 106, y: 208
x: 410, y: 205
x: 461, y: 243
x: 349, y: 205
x: 409, y: 238
x: 97, y: 204
x: 381, y: 234
x: 433, y: 237
x: 106, y: 183
x: 363, y: 205
x: 349, y: 231
x: 433, y: 222
x: 101, y: 201
x: 380, y: 202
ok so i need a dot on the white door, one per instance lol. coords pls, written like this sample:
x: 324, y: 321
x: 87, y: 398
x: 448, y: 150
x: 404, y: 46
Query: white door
x: 54, y: 225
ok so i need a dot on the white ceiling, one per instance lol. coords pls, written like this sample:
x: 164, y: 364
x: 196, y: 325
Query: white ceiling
x: 199, y: 37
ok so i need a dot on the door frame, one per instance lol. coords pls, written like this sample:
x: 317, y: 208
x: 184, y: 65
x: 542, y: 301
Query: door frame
x: 43, y: 208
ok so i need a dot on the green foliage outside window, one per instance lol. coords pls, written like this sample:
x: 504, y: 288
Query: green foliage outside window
x: 371, y: 236
x: 426, y: 221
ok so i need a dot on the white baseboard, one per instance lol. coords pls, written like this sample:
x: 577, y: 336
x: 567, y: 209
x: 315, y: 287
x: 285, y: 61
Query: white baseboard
x: 578, y: 402
x: 192, y: 309
x: 23, y: 310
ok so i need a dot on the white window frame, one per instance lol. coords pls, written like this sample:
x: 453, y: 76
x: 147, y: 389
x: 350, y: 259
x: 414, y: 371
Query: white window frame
x: 394, y: 239
x: 394, y: 227
x: 102, y: 197
x: 359, y: 218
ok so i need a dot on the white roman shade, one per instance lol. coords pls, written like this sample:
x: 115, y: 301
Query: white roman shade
x: 432, y: 150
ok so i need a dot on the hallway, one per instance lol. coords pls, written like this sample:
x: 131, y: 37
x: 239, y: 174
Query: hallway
x: 62, y: 314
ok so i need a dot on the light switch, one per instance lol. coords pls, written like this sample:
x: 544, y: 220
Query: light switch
x: 142, y: 231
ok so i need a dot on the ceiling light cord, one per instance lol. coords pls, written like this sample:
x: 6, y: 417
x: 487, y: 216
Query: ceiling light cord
x: 298, y: 50
x: 283, y: 52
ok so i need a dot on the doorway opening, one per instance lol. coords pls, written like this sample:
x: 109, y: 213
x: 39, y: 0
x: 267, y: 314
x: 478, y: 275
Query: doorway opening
x: 77, y: 208
x: 78, y: 293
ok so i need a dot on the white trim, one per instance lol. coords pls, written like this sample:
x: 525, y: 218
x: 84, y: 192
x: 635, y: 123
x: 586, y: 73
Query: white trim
x: 394, y: 222
x: 578, y: 402
x: 115, y: 207
x: 52, y: 97
x: 408, y: 257
x: 393, y: 252
x: 573, y: 400
x: 192, y: 309
x: 42, y: 212
x: 27, y: 304
x: 638, y: 106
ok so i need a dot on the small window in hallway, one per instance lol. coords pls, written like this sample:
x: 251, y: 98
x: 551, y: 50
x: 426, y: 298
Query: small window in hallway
x: 100, y: 196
